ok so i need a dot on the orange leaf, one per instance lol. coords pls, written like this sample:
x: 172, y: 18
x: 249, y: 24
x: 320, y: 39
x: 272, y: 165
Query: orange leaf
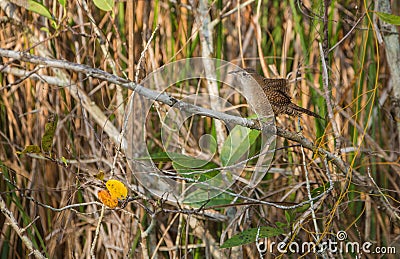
x: 106, y: 199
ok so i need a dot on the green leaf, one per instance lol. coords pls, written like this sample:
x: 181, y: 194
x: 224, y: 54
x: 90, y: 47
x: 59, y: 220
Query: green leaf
x: 187, y: 161
x: 30, y: 149
x: 156, y: 157
x: 190, y: 167
x: 62, y: 2
x: 288, y: 217
x: 250, y: 235
x: 105, y: 5
x: 49, y: 130
x: 389, y: 18
x: 317, y: 191
x: 39, y: 9
x: 45, y: 29
x: 100, y: 175
x: 177, y: 158
x: 281, y: 225
x: 203, y: 196
x: 237, y: 144
x: 197, y: 174
x: 64, y: 160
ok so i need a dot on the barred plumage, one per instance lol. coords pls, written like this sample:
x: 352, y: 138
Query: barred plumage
x: 277, y: 92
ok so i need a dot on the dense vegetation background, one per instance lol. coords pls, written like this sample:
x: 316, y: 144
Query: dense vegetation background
x: 279, y: 38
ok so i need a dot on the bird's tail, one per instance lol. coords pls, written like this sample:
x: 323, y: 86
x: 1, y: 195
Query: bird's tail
x: 308, y: 112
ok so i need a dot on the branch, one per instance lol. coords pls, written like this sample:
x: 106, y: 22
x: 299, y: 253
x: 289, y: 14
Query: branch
x: 325, y: 83
x: 392, y: 51
x: 206, y: 39
x: 14, y: 224
x: 164, y: 98
x: 362, y: 181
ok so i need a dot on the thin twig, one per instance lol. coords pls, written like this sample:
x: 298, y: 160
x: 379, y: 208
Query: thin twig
x: 96, y: 235
x: 308, y: 187
x: 347, y: 34
x: 127, y: 115
x: 207, y: 49
x: 296, y: 227
x: 102, y: 40
x: 259, y: 39
x: 394, y: 210
x: 392, y: 52
x: 144, y: 52
x: 65, y: 207
x: 164, y: 234
x: 240, y: 6
x: 325, y: 83
x: 20, y: 231
x: 30, y: 224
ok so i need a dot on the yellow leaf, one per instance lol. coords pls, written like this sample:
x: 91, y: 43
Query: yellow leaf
x: 117, y: 189
x: 29, y: 149
x: 106, y: 199
x: 100, y: 175
x: 49, y: 131
x: 64, y: 160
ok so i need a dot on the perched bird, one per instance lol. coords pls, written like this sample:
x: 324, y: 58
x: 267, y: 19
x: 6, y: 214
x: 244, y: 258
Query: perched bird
x: 277, y: 92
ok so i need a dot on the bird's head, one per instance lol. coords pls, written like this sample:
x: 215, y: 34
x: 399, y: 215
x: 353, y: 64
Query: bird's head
x: 247, y: 73
x: 244, y: 72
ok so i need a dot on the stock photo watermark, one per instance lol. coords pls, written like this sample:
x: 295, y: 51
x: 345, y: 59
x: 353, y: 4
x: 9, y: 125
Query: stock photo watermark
x: 338, y: 245
x: 200, y: 184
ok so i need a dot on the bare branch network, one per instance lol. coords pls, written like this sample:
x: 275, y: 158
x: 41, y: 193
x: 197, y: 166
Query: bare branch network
x: 362, y: 181
x: 151, y: 94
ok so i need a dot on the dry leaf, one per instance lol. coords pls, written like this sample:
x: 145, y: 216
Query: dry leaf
x: 106, y: 199
x: 100, y: 175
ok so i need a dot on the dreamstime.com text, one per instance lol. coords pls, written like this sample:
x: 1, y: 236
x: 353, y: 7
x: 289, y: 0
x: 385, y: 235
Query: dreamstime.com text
x: 339, y: 246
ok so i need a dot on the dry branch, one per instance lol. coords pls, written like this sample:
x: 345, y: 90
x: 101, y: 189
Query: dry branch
x: 392, y: 51
x: 362, y: 181
x: 14, y: 224
x: 166, y: 99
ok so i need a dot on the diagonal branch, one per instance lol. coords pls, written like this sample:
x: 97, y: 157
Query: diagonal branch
x: 20, y: 231
x: 361, y: 181
x: 162, y: 97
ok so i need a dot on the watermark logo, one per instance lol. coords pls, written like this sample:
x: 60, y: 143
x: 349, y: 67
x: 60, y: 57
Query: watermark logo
x: 191, y: 181
x: 341, y: 235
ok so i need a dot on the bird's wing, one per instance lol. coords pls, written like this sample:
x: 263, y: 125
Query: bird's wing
x: 278, y: 84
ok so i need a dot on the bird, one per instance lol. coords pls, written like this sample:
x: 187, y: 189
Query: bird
x: 277, y: 93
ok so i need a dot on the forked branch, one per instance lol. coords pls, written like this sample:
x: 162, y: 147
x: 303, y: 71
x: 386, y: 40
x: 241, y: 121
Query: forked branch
x: 362, y: 181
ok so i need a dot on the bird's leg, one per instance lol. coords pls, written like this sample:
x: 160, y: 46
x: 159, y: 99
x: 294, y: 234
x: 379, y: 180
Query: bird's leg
x: 299, y: 122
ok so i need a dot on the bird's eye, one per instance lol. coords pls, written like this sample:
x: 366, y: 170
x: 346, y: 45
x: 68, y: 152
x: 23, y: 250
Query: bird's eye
x: 244, y: 73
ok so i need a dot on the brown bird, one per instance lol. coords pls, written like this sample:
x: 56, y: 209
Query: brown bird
x: 277, y: 92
